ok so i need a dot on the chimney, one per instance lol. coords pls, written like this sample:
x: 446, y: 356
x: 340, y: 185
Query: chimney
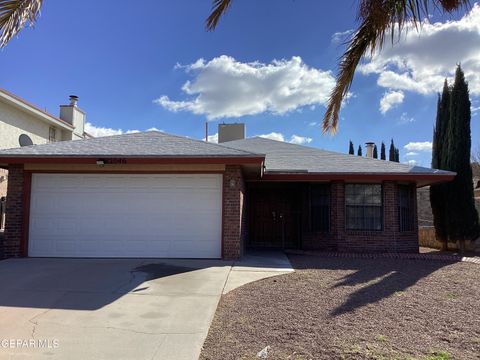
x: 72, y: 114
x: 369, y: 146
x: 230, y: 132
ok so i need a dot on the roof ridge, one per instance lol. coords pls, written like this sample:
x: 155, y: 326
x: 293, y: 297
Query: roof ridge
x: 209, y: 143
x: 359, y: 158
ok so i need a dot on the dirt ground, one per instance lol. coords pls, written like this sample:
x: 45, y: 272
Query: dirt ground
x: 334, y: 308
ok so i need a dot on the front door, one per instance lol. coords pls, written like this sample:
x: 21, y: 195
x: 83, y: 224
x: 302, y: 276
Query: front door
x: 274, y: 218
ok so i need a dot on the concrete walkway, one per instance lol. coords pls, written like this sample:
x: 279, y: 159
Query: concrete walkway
x: 117, y: 308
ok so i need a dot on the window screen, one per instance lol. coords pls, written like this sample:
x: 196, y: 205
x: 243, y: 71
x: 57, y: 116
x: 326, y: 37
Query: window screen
x: 320, y: 207
x: 406, y: 205
x: 364, y: 210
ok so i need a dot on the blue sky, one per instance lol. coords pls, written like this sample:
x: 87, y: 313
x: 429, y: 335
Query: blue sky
x: 269, y: 64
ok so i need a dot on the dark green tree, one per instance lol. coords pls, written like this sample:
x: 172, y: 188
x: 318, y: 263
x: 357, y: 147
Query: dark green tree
x: 397, y: 155
x: 351, y: 150
x: 462, y: 216
x: 382, y: 152
x: 438, y: 192
x: 391, y: 151
x: 375, y: 152
x: 359, y: 152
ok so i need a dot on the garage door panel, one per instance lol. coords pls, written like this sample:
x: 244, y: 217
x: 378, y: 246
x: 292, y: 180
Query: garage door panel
x: 125, y: 215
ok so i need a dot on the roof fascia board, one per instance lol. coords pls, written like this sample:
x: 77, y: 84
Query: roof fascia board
x: 228, y: 160
x: 434, y: 178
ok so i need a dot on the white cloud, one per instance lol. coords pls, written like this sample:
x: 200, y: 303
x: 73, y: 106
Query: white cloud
x: 273, y: 136
x: 411, y: 162
x: 313, y: 123
x: 300, y: 140
x: 405, y: 119
x: 224, y: 87
x: 104, y: 131
x: 341, y: 36
x: 294, y: 139
x: 420, y: 61
x: 391, y: 99
x: 212, y: 138
x: 411, y: 153
x: 419, y: 146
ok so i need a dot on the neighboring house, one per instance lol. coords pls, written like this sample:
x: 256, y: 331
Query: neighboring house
x: 425, y: 215
x: 22, y: 123
x: 157, y: 195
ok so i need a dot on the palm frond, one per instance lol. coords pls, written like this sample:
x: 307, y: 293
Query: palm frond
x: 219, y: 8
x: 377, y: 18
x: 14, y: 15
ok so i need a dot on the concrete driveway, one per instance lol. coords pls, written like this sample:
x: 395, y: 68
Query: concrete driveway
x: 117, y: 308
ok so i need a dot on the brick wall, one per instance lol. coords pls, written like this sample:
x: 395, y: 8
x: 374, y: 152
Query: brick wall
x: 234, y: 212
x: 390, y: 239
x: 14, y: 212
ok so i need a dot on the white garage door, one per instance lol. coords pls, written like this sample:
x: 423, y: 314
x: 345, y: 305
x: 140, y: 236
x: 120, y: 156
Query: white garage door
x: 161, y: 215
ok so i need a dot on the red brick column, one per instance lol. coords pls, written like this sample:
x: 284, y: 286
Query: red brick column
x: 234, y: 214
x: 14, y: 212
x: 337, y: 214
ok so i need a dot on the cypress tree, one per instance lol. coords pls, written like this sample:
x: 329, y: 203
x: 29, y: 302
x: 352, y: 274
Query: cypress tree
x: 462, y: 216
x: 351, y: 150
x: 375, y: 152
x: 438, y: 198
x: 382, y: 152
x: 397, y: 155
x: 359, y: 152
x: 391, y: 152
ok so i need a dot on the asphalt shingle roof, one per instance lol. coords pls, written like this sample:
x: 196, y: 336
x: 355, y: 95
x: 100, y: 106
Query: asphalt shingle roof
x: 280, y: 157
x: 290, y: 158
x: 143, y: 144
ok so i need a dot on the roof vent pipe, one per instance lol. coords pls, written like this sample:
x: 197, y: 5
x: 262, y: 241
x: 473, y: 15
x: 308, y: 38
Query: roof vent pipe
x: 369, y: 146
x: 73, y: 100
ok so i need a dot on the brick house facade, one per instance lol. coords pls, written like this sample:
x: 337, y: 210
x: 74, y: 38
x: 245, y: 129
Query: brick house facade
x: 258, y: 208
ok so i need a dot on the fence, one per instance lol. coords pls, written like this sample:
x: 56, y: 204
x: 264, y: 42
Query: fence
x: 427, y: 238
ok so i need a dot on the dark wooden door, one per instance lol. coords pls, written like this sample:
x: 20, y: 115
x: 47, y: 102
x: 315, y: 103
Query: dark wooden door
x: 274, y: 218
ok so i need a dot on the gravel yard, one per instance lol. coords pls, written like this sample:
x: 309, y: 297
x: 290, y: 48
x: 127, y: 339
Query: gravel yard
x: 339, y: 308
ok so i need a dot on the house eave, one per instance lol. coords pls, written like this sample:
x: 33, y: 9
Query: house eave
x: 122, y: 159
x: 420, y: 179
x: 31, y: 109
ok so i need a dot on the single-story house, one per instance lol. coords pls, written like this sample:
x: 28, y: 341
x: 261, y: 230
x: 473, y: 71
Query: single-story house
x: 152, y: 194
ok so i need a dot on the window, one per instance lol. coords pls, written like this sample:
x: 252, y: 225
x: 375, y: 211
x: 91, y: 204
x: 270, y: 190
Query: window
x: 406, y: 203
x: 364, y: 209
x: 320, y: 207
x: 52, y: 134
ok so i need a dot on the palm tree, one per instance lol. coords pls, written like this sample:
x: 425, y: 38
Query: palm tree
x: 14, y: 15
x: 377, y: 18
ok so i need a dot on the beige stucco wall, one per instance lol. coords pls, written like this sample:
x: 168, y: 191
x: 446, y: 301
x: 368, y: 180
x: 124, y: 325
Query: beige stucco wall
x: 14, y: 122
